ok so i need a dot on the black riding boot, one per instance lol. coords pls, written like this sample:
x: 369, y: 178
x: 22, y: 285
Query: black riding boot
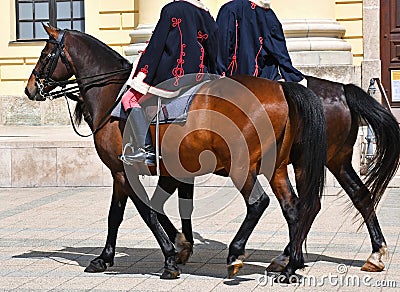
x: 144, y: 152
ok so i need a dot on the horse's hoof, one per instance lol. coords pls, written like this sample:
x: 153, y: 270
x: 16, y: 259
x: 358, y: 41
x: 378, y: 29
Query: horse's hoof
x: 234, y: 268
x: 184, y: 248
x: 374, y: 262
x: 169, y: 274
x: 373, y: 267
x: 184, y: 253
x: 278, y: 264
x: 275, y: 267
x: 97, y: 266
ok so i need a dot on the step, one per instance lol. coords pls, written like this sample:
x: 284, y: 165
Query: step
x: 48, y: 156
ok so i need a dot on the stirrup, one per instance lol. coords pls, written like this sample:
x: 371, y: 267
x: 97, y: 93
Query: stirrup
x: 131, y: 159
x: 142, y: 156
x: 123, y: 156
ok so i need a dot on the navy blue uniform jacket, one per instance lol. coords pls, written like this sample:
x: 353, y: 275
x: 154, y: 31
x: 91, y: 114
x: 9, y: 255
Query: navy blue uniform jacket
x: 185, y: 41
x: 252, y: 43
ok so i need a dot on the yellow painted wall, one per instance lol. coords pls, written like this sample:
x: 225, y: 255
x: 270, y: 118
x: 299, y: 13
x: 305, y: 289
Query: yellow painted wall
x: 350, y: 15
x: 303, y: 9
x: 113, y: 20
x: 109, y: 20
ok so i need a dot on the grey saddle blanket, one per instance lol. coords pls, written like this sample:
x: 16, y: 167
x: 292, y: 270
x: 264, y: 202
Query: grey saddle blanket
x: 173, y: 110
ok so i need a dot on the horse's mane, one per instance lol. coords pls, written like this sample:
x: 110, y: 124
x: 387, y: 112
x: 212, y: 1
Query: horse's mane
x: 82, y: 112
x: 80, y: 108
x: 95, y: 43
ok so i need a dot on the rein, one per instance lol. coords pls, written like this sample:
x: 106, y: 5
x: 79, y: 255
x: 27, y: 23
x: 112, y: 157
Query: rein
x: 43, y: 79
x: 96, y: 80
x: 102, y: 121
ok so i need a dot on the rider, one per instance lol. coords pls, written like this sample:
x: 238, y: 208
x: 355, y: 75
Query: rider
x: 252, y: 42
x: 184, y: 41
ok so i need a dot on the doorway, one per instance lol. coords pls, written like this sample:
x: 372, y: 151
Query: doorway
x: 390, y: 51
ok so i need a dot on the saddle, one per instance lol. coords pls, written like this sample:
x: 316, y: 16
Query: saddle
x: 173, y: 110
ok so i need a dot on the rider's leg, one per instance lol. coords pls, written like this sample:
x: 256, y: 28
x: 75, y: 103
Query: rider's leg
x: 144, y: 152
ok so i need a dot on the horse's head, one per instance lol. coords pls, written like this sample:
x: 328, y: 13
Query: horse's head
x: 53, y: 65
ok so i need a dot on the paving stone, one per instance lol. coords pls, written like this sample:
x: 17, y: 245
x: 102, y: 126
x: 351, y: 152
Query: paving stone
x: 45, y: 244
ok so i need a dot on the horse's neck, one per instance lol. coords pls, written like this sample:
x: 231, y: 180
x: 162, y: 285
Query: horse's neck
x: 94, y: 62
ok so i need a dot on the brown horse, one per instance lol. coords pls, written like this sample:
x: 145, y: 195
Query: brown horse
x: 250, y: 126
x: 345, y: 106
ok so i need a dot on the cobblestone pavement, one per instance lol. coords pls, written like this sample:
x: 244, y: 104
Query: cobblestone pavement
x: 49, y: 235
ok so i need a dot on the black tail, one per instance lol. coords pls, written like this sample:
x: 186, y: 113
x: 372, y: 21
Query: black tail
x: 313, y: 136
x: 313, y: 145
x: 387, y: 137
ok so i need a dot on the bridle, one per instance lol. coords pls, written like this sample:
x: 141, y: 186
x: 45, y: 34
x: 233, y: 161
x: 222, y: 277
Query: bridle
x: 43, y: 79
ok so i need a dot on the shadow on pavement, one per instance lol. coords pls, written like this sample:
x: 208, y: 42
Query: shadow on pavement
x: 208, y: 259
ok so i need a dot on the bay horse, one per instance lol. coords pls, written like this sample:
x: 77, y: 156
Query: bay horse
x: 345, y: 107
x: 295, y: 117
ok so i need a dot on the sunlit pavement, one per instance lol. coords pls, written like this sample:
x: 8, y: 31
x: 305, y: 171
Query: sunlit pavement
x: 49, y: 235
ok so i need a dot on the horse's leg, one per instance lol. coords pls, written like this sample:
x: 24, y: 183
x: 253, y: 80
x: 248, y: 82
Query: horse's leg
x: 184, y: 241
x: 251, y: 190
x: 185, y: 194
x: 306, y: 218
x: 288, y: 201
x: 115, y: 217
x: 361, y: 199
x: 165, y: 188
x: 171, y: 270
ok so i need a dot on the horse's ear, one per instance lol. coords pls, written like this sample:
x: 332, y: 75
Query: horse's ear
x: 51, y: 31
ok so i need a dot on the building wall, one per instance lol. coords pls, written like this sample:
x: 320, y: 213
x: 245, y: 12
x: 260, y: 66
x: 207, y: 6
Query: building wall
x: 350, y: 15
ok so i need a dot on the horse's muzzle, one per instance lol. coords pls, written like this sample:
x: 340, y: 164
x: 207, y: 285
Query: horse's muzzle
x: 34, y: 95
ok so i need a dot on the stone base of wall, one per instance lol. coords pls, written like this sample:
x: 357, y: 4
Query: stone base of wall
x: 338, y: 73
x: 49, y: 157
x: 19, y: 110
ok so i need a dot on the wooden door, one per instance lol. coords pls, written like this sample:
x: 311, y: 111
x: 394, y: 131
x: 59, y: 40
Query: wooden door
x: 390, y: 50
